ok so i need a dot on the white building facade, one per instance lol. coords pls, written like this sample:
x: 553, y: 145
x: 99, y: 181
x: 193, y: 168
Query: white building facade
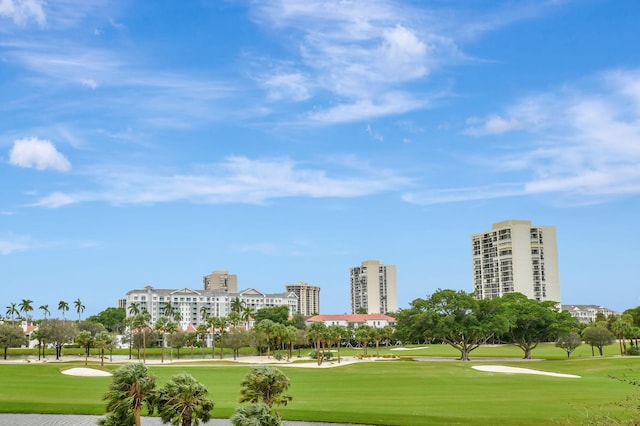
x: 373, y: 288
x: 195, y: 305
x: 515, y: 256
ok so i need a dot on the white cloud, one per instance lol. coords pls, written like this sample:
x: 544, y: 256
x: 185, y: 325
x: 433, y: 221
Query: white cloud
x: 235, y: 180
x: 293, y: 86
x: 14, y: 244
x: 21, y: 11
x: 38, y: 154
x: 581, y: 141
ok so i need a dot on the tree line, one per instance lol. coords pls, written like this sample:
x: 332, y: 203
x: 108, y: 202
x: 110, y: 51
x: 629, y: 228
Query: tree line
x: 460, y: 320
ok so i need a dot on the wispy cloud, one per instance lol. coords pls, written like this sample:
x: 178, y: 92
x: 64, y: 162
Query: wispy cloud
x: 14, y: 243
x: 581, y: 141
x: 235, y: 180
x: 22, y: 11
x: 38, y: 154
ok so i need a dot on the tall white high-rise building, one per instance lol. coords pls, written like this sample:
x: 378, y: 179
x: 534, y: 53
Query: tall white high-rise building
x: 308, y: 297
x: 516, y: 256
x: 373, y: 288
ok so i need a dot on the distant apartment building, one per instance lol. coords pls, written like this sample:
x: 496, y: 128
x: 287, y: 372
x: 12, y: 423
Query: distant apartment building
x: 515, y: 256
x: 122, y: 302
x: 587, y: 313
x: 308, y: 297
x: 195, y: 305
x: 373, y: 288
x: 221, y: 280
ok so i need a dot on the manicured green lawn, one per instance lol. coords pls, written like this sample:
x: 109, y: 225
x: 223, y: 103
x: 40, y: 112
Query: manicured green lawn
x: 381, y: 392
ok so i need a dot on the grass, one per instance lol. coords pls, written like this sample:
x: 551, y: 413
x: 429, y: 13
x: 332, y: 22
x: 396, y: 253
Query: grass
x: 385, y: 393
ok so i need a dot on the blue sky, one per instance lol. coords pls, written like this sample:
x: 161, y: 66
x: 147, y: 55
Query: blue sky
x: 149, y: 143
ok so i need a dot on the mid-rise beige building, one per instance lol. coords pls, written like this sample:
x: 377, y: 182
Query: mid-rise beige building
x: 221, y: 280
x: 308, y: 297
x: 515, y: 256
x: 373, y: 288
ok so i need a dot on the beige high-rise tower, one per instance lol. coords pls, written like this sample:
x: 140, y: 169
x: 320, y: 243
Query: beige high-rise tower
x: 373, y: 288
x: 516, y: 256
x: 221, y: 280
x: 308, y: 297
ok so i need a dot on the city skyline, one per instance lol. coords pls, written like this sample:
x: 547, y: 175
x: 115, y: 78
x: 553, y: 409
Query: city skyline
x: 286, y: 141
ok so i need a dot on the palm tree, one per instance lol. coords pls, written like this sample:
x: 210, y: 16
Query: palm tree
x: 162, y: 326
x: 132, y: 388
x: 237, y: 305
x: 79, y: 307
x: 267, y: 327
x: 338, y: 332
x: 45, y: 310
x: 85, y: 339
x: 212, y: 323
x: 247, y: 314
x: 63, y: 307
x: 141, y: 322
x: 26, y: 307
x: 204, y: 313
x: 202, y: 330
x: 12, y: 310
x: 134, y: 309
x: 315, y: 332
x: 183, y: 401
x: 266, y: 385
x: 102, y: 340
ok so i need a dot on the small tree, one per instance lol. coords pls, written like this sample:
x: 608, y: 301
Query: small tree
x: 131, y: 389
x: 569, y: 342
x: 235, y: 339
x: 266, y: 385
x: 11, y: 336
x: 258, y: 414
x: 598, y: 337
x: 102, y: 341
x: 85, y: 340
x: 183, y: 401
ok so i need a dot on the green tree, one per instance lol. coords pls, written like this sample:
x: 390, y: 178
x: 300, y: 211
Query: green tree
x: 454, y: 317
x: 315, y: 332
x: 12, y: 310
x: 59, y: 333
x: 338, y: 333
x: 299, y: 321
x: 532, y: 321
x: 363, y: 335
x: 202, y: 331
x: 268, y: 327
x: 178, y: 340
x: 279, y: 314
x: 11, y: 336
x: 131, y: 389
x: 141, y: 323
x: 162, y: 326
x: 183, y: 401
x: 236, y: 339
x: 258, y: 414
x: 45, y: 311
x: 266, y: 385
x: 102, y: 340
x: 79, y: 308
x: 597, y: 336
x: 63, y: 307
x: 569, y: 342
x: 237, y: 305
x: 26, y: 307
x: 85, y: 340
x: 113, y: 319
x: 622, y: 327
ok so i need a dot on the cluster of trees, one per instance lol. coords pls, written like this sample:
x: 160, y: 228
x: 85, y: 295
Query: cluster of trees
x: 184, y: 401
x: 458, y: 319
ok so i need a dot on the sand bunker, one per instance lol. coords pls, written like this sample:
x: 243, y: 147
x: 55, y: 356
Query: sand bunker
x: 518, y: 370
x: 86, y: 372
